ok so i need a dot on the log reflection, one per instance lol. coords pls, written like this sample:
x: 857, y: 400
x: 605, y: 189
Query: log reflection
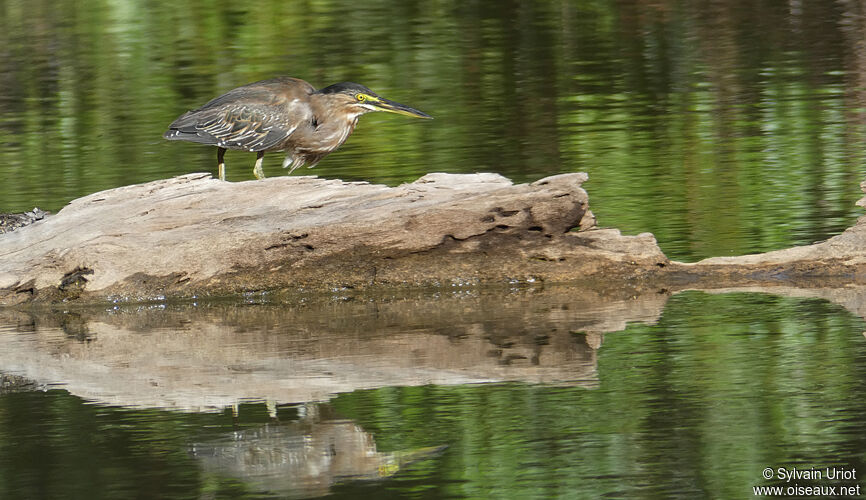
x: 197, y: 358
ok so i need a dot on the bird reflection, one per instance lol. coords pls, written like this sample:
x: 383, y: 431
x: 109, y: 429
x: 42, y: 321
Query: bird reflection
x: 303, y: 458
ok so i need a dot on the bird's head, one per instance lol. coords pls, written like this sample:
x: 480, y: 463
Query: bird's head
x: 358, y: 99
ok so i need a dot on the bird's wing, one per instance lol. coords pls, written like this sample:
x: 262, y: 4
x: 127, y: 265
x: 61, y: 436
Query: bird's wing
x: 243, y: 126
x: 248, y: 118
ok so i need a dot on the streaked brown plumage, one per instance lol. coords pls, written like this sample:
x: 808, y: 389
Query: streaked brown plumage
x: 282, y: 114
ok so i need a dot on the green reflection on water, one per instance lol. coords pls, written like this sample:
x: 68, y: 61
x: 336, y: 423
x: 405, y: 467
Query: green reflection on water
x: 722, y: 131
x: 693, y: 406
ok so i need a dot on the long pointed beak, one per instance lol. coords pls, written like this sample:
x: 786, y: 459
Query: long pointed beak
x: 383, y: 104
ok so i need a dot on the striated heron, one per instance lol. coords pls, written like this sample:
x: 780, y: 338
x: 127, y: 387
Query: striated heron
x: 282, y: 114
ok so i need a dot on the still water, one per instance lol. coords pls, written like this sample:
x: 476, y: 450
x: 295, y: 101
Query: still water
x: 723, y: 127
x: 534, y: 393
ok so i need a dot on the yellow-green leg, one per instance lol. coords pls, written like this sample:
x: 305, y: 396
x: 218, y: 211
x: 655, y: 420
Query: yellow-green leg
x: 221, y: 163
x: 257, y: 171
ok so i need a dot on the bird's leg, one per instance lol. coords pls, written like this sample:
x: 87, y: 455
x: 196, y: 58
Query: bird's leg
x: 221, y: 163
x: 257, y: 171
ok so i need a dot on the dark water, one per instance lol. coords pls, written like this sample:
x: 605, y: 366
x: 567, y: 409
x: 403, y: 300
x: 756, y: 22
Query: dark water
x: 585, y: 396
x: 723, y: 127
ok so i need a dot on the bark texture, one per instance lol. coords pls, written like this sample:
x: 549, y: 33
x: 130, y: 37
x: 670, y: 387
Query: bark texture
x: 193, y: 236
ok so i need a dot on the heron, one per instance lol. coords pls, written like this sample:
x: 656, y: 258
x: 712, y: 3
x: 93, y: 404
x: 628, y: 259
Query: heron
x: 282, y: 114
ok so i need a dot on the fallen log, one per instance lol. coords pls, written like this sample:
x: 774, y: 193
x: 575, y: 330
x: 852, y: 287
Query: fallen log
x: 837, y: 262
x: 192, y: 235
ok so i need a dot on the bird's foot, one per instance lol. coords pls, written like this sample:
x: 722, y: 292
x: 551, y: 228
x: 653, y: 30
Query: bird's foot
x: 257, y: 171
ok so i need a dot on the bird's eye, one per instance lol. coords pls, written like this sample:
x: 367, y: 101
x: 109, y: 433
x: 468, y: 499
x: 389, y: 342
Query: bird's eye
x: 361, y: 97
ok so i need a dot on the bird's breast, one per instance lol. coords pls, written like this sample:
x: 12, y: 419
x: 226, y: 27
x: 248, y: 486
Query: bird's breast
x: 330, y: 135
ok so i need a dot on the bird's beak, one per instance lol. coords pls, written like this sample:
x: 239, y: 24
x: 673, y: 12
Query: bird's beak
x: 382, y: 104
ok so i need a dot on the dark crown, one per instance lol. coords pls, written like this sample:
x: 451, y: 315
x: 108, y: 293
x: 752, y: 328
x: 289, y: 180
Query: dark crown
x: 346, y: 88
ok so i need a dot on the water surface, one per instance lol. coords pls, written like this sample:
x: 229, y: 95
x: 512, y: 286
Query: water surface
x: 723, y: 128
x: 554, y: 393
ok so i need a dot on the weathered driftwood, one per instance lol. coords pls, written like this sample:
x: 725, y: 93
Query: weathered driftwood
x: 837, y: 262
x: 194, y: 236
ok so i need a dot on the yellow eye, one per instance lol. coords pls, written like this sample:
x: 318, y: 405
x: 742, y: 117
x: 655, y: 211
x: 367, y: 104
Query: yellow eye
x: 361, y: 97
